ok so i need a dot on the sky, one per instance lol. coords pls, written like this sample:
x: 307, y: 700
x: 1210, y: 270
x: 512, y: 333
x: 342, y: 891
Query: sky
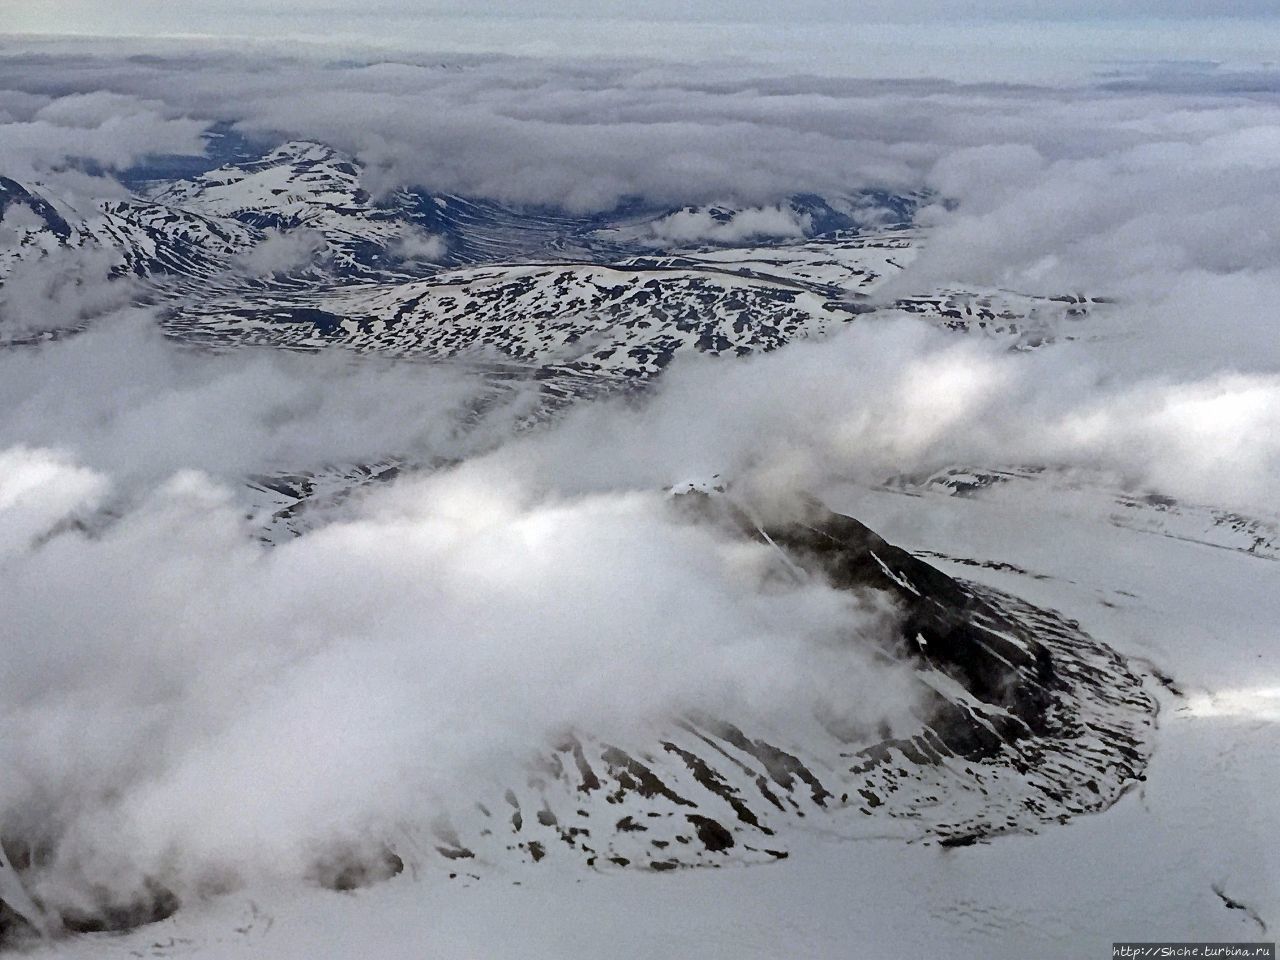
x: 51, y: 12
x: 869, y: 38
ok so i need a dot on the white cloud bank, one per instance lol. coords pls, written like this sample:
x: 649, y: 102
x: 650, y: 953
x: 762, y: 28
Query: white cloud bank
x: 701, y: 225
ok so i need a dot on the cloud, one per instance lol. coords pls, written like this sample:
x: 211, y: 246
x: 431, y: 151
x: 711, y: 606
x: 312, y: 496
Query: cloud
x: 280, y: 252
x: 1191, y: 197
x: 415, y: 244
x: 59, y: 289
x: 191, y: 706
x: 133, y: 406
x: 18, y: 224
x: 702, y: 225
x: 868, y: 37
x: 884, y: 398
x: 588, y: 134
x: 41, y: 488
x: 109, y: 130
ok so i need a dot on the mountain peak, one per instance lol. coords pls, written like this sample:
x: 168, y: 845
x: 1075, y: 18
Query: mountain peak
x: 304, y: 150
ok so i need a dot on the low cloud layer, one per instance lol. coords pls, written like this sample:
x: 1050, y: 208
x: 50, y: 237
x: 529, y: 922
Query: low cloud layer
x: 702, y: 225
x: 59, y: 289
x: 42, y: 135
x: 280, y: 252
x: 883, y: 399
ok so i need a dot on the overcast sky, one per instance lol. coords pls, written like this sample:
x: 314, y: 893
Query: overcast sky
x: 127, y: 14
x: 863, y: 37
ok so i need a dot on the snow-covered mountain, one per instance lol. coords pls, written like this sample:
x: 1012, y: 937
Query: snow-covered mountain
x: 144, y: 239
x: 1175, y: 847
x: 29, y: 221
x: 1024, y: 721
x: 1020, y: 720
x: 291, y: 250
x: 299, y: 186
